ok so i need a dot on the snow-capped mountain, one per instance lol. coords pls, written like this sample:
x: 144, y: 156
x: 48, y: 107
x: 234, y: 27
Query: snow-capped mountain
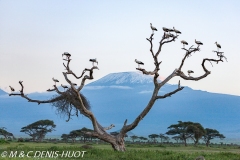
x: 120, y: 96
x: 124, y: 78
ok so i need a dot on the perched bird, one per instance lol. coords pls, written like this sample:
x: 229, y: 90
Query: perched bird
x: 198, y: 42
x: 139, y: 63
x: 189, y: 72
x: 153, y: 28
x: 12, y: 89
x: 93, y: 61
x: 55, y: 80
x: 66, y: 54
x: 49, y: 90
x: 64, y: 86
x: 176, y: 31
x: 165, y: 29
x: 218, y: 45
x: 184, y: 43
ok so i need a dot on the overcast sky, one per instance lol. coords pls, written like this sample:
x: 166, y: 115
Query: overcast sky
x: 35, y: 33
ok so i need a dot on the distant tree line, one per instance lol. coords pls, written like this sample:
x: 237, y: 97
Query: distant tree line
x: 180, y: 132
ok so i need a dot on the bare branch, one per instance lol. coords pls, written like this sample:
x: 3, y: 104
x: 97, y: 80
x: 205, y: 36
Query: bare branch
x: 188, y: 53
x: 50, y: 90
x: 87, y: 77
x: 170, y: 93
x: 147, y: 72
x: 29, y: 99
x: 207, y: 72
x: 92, y: 134
x: 151, y: 45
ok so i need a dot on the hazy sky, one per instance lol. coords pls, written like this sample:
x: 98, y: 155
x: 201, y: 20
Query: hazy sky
x: 34, y: 34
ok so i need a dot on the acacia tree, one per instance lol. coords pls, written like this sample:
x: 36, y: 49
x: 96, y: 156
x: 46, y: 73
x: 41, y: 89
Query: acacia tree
x: 5, y: 133
x: 163, y: 137
x: 64, y: 137
x: 39, y: 129
x: 177, y: 138
x: 196, y: 132
x: 180, y: 129
x: 134, y: 138
x: 143, y: 138
x: 211, y: 134
x: 74, y: 101
x: 153, y: 137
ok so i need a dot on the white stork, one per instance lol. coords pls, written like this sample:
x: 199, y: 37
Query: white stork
x: 93, y: 61
x: 153, y: 28
x: 12, y: 89
x: 64, y: 86
x: 184, y: 43
x: 176, y: 31
x: 189, y: 72
x: 139, y: 63
x: 165, y: 29
x: 55, y: 80
x: 198, y: 43
x: 218, y: 45
x: 66, y: 54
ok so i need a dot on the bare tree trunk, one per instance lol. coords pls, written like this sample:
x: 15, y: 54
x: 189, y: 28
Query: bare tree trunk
x: 76, y: 100
x: 185, y: 142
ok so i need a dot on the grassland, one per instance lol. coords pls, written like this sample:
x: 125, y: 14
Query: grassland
x: 134, y: 151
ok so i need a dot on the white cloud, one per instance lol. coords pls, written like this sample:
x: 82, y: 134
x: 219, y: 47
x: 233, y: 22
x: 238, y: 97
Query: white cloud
x: 144, y: 92
x: 120, y: 87
x: 94, y: 87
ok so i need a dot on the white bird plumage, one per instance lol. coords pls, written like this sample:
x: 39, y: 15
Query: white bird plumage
x: 189, y: 72
x: 12, y: 89
x: 198, y: 42
x: 218, y: 45
x: 166, y: 29
x: 64, y: 86
x: 184, y: 43
x: 176, y: 31
x: 153, y: 28
x: 139, y: 63
x: 66, y: 54
x: 93, y: 61
x: 55, y: 80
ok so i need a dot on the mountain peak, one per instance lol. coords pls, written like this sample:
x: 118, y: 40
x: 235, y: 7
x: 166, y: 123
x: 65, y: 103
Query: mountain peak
x: 124, y: 78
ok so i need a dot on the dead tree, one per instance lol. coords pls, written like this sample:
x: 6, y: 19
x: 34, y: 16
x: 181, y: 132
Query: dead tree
x: 76, y: 102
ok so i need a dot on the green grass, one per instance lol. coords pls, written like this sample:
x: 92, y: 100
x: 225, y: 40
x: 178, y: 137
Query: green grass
x: 134, y: 151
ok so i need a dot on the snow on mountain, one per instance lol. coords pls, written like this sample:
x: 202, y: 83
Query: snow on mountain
x: 123, y: 78
x: 120, y: 96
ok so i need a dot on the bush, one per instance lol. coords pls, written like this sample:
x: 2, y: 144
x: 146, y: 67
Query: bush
x: 3, y: 141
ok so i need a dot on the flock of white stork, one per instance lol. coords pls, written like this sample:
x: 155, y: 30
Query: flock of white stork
x: 68, y: 56
x: 167, y: 33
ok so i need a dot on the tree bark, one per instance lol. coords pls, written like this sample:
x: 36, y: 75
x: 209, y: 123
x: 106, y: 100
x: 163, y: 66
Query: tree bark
x: 72, y: 94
